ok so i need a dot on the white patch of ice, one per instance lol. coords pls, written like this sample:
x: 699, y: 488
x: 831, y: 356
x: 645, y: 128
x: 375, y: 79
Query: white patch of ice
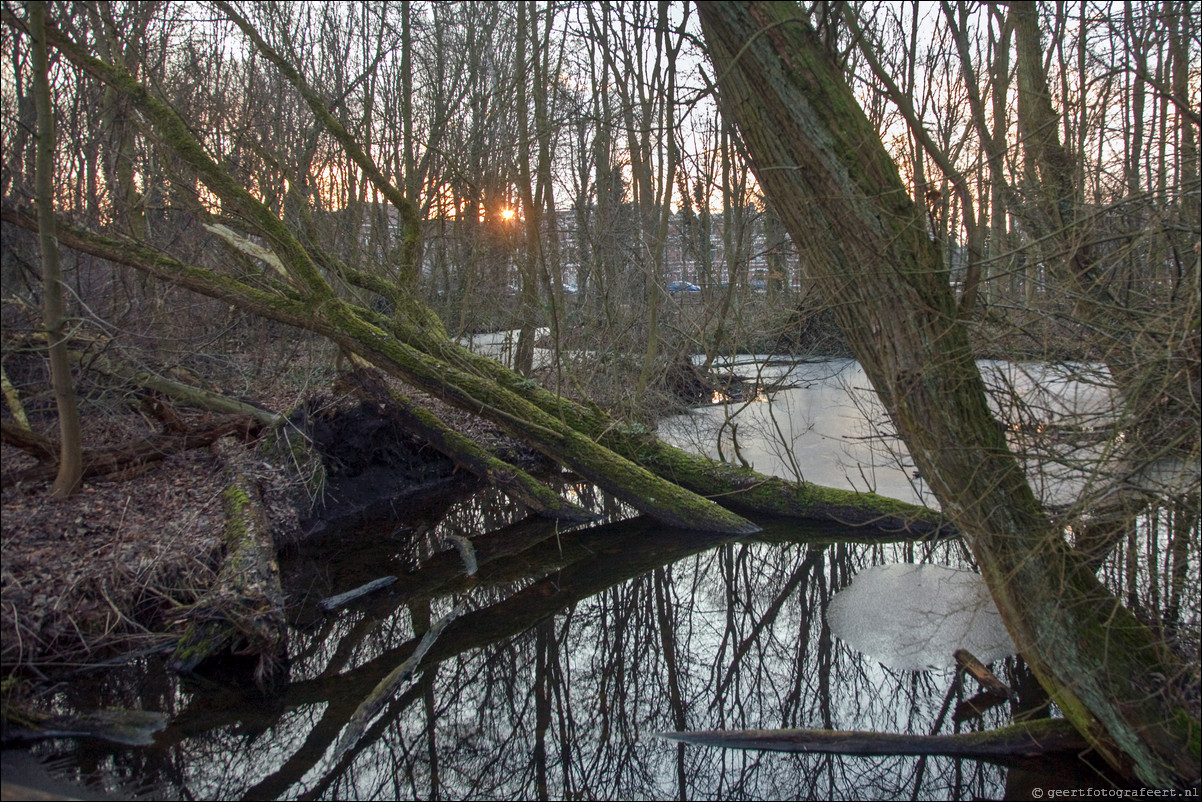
x: 912, y: 617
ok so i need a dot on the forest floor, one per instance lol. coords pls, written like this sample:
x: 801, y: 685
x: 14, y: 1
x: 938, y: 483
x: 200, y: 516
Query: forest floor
x: 112, y: 570
x: 101, y: 570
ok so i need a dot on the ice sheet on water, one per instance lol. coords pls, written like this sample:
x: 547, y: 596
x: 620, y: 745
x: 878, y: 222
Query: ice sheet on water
x: 912, y: 617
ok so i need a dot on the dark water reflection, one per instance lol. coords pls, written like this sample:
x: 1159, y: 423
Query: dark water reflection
x: 576, y: 648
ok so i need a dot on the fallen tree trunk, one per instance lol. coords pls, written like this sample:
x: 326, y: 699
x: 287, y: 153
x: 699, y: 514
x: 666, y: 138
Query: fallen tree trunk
x: 419, y: 352
x: 186, y: 395
x: 243, y: 614
x: 1027, y: 739
x: 510, y: 479
x: 127, y: 459
x: 658, y: 479
x: 88, y: 352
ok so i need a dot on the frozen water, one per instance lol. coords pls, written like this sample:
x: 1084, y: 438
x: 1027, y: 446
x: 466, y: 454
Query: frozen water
x: 912, y: 617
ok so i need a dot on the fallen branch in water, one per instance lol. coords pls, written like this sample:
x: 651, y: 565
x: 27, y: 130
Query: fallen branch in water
x: 988, y: 680
x: 116, y: 725
x: 1025, y: 739
x: 331, y: 603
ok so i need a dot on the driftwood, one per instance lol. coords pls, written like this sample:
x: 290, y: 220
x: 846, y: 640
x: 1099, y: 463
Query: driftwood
x: 342, y: 599
x: 994, y: 692
x: 1026, y: 739
x: 125, y: 460
x: 244, y: 612
x: 989, y: 681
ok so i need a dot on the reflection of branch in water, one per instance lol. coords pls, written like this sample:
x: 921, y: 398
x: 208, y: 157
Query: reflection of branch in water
x: 275, y: 786
x: 387, y: 687
x: 812, y: 559
x: 501, y: 690
x: 593, y: 560
x: 1001, y: 745
x: 667, y: 633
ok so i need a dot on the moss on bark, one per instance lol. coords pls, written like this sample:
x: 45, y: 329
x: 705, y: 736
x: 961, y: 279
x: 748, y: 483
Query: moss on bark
x: 824, y: 170
x: 243, y: 613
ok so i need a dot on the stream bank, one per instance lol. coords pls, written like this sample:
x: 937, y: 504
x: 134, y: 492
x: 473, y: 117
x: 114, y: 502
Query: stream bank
x: 107, y: 572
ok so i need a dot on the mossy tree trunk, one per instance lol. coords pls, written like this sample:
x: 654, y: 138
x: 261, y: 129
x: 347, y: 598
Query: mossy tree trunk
x: 434, y: 363
x: 654, y: 478
x: 244, y: 612
x: 825, y: 172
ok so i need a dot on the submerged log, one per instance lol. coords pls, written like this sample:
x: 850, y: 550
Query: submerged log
x: 977, y: 706
x: 1027, y: 739
x: 116, y: 725
x: 243, y: 614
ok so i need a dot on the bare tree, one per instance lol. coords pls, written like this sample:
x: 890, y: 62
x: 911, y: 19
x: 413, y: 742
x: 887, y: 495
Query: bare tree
x: 70, y: 467
x: 822, y: 167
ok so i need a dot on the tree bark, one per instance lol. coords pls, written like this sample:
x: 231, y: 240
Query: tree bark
x: 825, y: 171
x: 244, y: 612
x: 70, y: 465
x: 511, y: 480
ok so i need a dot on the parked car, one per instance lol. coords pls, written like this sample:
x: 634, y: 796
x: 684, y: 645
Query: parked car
x: 683, y: 286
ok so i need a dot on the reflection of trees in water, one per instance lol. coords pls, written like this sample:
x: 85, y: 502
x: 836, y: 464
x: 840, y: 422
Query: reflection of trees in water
x: 577, y: 648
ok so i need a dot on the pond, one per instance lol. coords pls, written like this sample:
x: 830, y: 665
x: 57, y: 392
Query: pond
x: 823, y: 423
x: 571, y: 651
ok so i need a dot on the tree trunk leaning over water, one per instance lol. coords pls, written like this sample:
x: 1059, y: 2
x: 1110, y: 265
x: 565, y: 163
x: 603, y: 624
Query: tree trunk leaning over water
x: 827, y: 175
x: 310, y: 301
x: 661, y: 481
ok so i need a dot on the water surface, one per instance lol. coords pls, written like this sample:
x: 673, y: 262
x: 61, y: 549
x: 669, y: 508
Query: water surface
x: 576, y: 647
